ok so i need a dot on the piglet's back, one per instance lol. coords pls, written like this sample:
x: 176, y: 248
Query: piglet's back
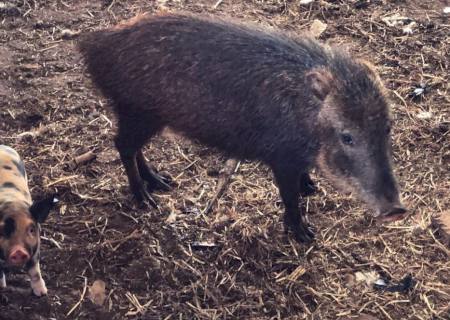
x: 13, y: 177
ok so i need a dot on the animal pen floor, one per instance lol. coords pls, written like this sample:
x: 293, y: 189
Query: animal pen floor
x: 236, y: 262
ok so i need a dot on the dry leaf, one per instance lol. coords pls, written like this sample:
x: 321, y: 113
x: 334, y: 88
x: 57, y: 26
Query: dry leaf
x: 395, y: 20
x: 97, y: 292
x: 361, y: 316
x: 317, y: 28
x: 408, y: 29
x: 424, y: 115
x: 172, y: 217
x: 203, y: 245
x: 68, y: 34
x: 368, y: 277
x: 350, y: 280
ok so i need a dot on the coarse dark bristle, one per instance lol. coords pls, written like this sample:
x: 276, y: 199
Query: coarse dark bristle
x: 306, y: 53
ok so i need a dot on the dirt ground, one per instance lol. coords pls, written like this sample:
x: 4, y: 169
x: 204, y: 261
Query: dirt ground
x: 236, y: 262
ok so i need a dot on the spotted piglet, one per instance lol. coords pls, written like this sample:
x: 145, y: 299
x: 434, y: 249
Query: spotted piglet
x: 20, y: 220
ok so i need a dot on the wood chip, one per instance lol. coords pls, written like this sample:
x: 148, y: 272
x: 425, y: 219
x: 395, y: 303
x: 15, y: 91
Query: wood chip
x: 365, y: 316
x: 85, y: 158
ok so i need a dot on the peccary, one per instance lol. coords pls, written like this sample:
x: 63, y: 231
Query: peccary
x: 20, y: 220
x: 287, y: 101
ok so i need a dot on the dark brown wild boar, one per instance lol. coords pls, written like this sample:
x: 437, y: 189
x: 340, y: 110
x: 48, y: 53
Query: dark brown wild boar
x: 264, y: 95
x: 20, y: 221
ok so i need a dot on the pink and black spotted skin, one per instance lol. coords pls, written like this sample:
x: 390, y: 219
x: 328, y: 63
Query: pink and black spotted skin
x: 20, y: 220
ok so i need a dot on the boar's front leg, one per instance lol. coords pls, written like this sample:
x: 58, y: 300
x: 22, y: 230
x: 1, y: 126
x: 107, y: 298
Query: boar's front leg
x: 154, y: 180
x: 289, y: 184
x: 132, y: 135
x: 137, y: 186
x: 37, y: 283
x: 307, y: 186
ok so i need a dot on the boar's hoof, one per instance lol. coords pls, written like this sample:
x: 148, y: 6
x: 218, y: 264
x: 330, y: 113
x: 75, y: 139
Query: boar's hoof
x: 158, y: 182
x: 301, y: 231
x: 303, y: 234
x: 141, y: 195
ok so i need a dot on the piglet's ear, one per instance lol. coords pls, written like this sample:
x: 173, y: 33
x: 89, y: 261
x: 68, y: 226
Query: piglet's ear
x: 40, y: 209
x: 320, y: 81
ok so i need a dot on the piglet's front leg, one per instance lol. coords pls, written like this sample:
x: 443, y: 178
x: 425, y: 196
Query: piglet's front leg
x: 2, y: 280
x: 37, y: 283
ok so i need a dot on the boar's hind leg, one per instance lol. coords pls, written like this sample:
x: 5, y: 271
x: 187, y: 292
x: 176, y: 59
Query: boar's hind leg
x: 288, y: 181
x: 154, y: 180
x: 132, y: 135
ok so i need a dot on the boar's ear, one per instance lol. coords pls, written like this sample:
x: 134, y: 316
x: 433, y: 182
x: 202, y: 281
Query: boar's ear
x: 40, y: 209
x: 369, y: 67
x: 320, y: 81
x: 371, y: 71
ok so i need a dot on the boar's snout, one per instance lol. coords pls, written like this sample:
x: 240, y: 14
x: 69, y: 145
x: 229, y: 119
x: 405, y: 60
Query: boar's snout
x: 18, y: 257
x: 392, y: 213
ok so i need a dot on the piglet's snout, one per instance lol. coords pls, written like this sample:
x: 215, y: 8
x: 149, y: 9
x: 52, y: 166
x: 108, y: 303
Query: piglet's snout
x: 18, y: 256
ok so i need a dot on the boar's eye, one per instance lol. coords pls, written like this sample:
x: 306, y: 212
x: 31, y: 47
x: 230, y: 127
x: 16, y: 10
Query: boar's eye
x: 347, y: 139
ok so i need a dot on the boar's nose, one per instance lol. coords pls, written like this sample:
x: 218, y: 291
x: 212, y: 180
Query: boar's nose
x: 18, y: 257
x: 397, y: 212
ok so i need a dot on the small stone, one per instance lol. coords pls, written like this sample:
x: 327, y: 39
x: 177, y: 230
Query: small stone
x: 419, y: 91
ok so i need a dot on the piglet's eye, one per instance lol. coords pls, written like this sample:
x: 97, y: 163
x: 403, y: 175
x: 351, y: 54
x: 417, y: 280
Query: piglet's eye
x: 32, y: 230
x: 388, y: 129
x: 347, y: 139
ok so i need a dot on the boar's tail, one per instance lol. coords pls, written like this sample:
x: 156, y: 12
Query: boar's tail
x: 93, y: 44
x: 95, y: 48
